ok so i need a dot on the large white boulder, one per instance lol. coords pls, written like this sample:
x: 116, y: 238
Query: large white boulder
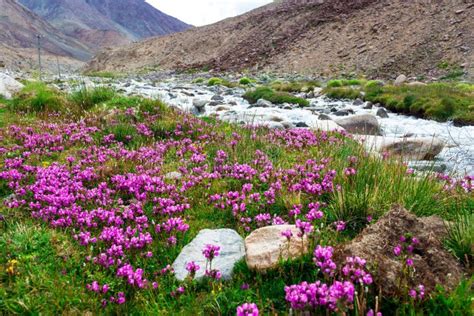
x: 9, y: 86
x: 231, y: 251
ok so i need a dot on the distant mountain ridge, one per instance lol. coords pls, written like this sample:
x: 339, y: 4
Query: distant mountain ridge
x: 102, y: 23
x: 20, y: 27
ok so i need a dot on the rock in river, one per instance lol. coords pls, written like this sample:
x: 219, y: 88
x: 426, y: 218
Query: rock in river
x: 365, y: 124
x: 411, y: 148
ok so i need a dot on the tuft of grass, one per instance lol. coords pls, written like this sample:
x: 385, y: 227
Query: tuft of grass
x: 295, y: 86
x: 342, y: 93
x: 87, y: 98
x: 275, y: 97
x: 214, y: 81
x: 245, y: 81
x: 460, y: 240
x: 37, y: 97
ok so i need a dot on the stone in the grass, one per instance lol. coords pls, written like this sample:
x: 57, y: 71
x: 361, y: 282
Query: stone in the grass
x: 432, y: 262
x: 231, y: 251
x: 174, y: 175
x: 266, y: 246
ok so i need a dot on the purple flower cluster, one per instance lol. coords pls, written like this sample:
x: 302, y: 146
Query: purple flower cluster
x: 211, y: 251
x: 355, y: 270
x: 417, y: 293
x: 310, y: 296
x: 192, y: 267
x: 247, y: 309
x: 323, y: 259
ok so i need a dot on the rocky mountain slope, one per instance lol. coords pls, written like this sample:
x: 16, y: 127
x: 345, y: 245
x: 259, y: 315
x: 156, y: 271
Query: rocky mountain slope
x: 102, y: 23
x: 19, y: 28
x: 376, y: 37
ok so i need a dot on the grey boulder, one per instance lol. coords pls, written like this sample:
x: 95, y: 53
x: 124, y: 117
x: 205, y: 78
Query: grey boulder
x: 365, y: 124
x: 382, y: 113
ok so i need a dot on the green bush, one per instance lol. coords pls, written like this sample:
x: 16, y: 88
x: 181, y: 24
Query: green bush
x: 275, y: 97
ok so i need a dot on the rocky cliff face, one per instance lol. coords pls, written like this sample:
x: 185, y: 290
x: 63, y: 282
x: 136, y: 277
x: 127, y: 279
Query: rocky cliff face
x: 102, y: 23
x: 375, y: 37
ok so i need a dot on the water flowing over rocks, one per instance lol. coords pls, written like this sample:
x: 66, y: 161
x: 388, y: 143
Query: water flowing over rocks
x: 232, y: 250
x: 266, y: 246
x: 228, y: 105
x: 432, y: 262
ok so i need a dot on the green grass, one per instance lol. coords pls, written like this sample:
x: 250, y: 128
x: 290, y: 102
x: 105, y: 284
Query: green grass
x: 273, y: 96
x: 47, y: 276
x: 104, y: 74
x: 438, y: 101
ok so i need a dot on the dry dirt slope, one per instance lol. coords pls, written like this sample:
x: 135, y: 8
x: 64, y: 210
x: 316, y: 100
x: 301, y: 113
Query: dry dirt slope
x: 376, y: 37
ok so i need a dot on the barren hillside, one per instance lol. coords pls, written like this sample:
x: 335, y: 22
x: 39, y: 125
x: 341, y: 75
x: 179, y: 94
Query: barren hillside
x: 379, y: 38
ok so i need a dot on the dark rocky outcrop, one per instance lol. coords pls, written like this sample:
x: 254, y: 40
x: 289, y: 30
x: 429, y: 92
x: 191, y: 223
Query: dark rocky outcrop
x: 432, y: 262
